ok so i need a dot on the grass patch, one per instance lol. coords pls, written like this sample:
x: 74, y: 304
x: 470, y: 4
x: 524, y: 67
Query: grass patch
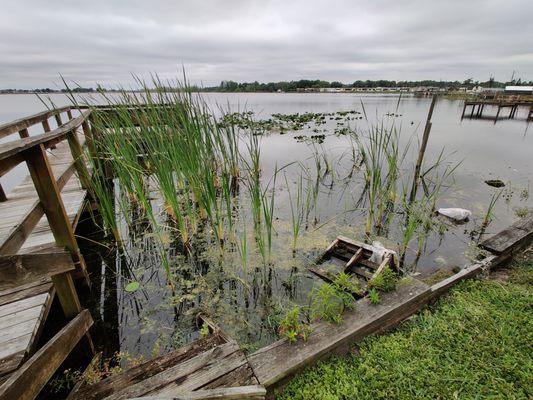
x: 475, y: 343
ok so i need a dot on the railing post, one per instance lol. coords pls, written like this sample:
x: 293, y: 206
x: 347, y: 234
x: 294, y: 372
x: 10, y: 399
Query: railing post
x: 58, y: 119
x: 24, y: 133
x: 69, y: 114
x: 79, y: 161
x: 3, y: 196
x: 50, y: 197
x: 46, y: 125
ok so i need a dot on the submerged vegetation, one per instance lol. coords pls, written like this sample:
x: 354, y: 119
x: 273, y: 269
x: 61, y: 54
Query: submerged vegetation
x: 231, y: 235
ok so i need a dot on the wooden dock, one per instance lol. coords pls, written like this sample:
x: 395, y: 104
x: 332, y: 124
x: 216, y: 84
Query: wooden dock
x: 476, y: 108
x: 39, y: 255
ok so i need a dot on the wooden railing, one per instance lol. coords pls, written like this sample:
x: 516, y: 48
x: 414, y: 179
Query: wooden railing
x: 21, y: 126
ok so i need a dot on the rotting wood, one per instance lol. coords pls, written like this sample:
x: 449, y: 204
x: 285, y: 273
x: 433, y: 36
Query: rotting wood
x: 20, y: 269
x: 516, y: 235
x: 29, y: 379
x: 136, y: 374
x: 189, y: 375
x: 233, y: 393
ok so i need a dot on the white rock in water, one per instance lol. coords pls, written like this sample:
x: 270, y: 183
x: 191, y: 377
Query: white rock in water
x: 458, y: 214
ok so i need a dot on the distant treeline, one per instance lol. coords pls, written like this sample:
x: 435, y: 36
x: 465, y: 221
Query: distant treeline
x: 293, y: 86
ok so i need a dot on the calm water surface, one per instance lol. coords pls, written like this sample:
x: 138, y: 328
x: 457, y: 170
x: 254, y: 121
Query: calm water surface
x: 153, y: 320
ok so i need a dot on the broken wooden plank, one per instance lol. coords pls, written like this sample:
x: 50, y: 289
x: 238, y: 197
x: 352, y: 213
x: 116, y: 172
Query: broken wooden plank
x: 276, y: 362
x: 233, y: 393
x: 29, y: 379
x: 134, y: 375
x: 183, y: 373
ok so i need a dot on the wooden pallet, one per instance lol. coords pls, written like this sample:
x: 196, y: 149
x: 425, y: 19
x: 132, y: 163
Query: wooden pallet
x: 352, y: 257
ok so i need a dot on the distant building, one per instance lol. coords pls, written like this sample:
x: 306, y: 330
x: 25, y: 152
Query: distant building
x: 519, y: 90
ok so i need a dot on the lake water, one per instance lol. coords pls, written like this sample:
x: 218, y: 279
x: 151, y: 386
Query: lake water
x: 139, y: 322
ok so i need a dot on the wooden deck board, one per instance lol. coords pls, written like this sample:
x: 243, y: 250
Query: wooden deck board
x: 21, y: 321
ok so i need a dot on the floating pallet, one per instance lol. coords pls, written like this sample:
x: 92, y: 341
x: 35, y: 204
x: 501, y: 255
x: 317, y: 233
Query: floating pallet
x: 352, y: 257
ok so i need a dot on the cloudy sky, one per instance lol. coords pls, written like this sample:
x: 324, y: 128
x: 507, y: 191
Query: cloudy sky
x: 106, y: 41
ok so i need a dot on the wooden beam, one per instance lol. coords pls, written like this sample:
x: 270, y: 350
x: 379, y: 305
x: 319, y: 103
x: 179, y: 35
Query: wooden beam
x: 280, y: 360
x: 50, y: 197
x: 67, y: 295
x: 28, y: 380
x: 232, y: 393
x: 517, y: 235
x: 15, y: 238
x: 20, y: 269
x: 79, y: 160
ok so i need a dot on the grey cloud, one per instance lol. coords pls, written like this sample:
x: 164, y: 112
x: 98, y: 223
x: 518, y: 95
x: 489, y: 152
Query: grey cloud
x: 106, y: 41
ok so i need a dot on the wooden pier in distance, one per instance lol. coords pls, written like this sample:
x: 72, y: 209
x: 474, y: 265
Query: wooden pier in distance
x: 476, y: 108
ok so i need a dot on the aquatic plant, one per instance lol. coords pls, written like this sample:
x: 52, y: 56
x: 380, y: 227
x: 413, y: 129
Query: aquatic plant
x: 328, y: 302
x: 292, y: 327
x: 373, y: 296
x: 385, y: 281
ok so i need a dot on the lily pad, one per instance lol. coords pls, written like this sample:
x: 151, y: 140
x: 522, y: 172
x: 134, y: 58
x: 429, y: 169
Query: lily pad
x: 132, y: 286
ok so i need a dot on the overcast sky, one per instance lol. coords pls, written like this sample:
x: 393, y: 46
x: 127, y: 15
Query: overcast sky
x: 105, y: 41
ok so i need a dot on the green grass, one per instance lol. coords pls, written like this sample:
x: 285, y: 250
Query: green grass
x: 474, y: 344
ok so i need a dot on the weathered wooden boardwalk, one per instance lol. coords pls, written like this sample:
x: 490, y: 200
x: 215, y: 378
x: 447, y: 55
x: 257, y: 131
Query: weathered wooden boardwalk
x: 38, y: 250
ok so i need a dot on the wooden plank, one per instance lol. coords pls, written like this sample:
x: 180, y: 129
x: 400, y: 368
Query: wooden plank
x: 355, y: 258
x: 518, y: 234
x: 184, y: 373
x: 19, y: 269
x: 17, y: 330
x: 9, y: 364
x: 233, y: 393
x: 22, y: 292
x: 27, y: 381
x: 273, y: 363
x: 20, y: 316
x: 443, y: 286
x: 23, y: 304
x: 134, y: 375
x: 225, y: 358
x: 15, y: 345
